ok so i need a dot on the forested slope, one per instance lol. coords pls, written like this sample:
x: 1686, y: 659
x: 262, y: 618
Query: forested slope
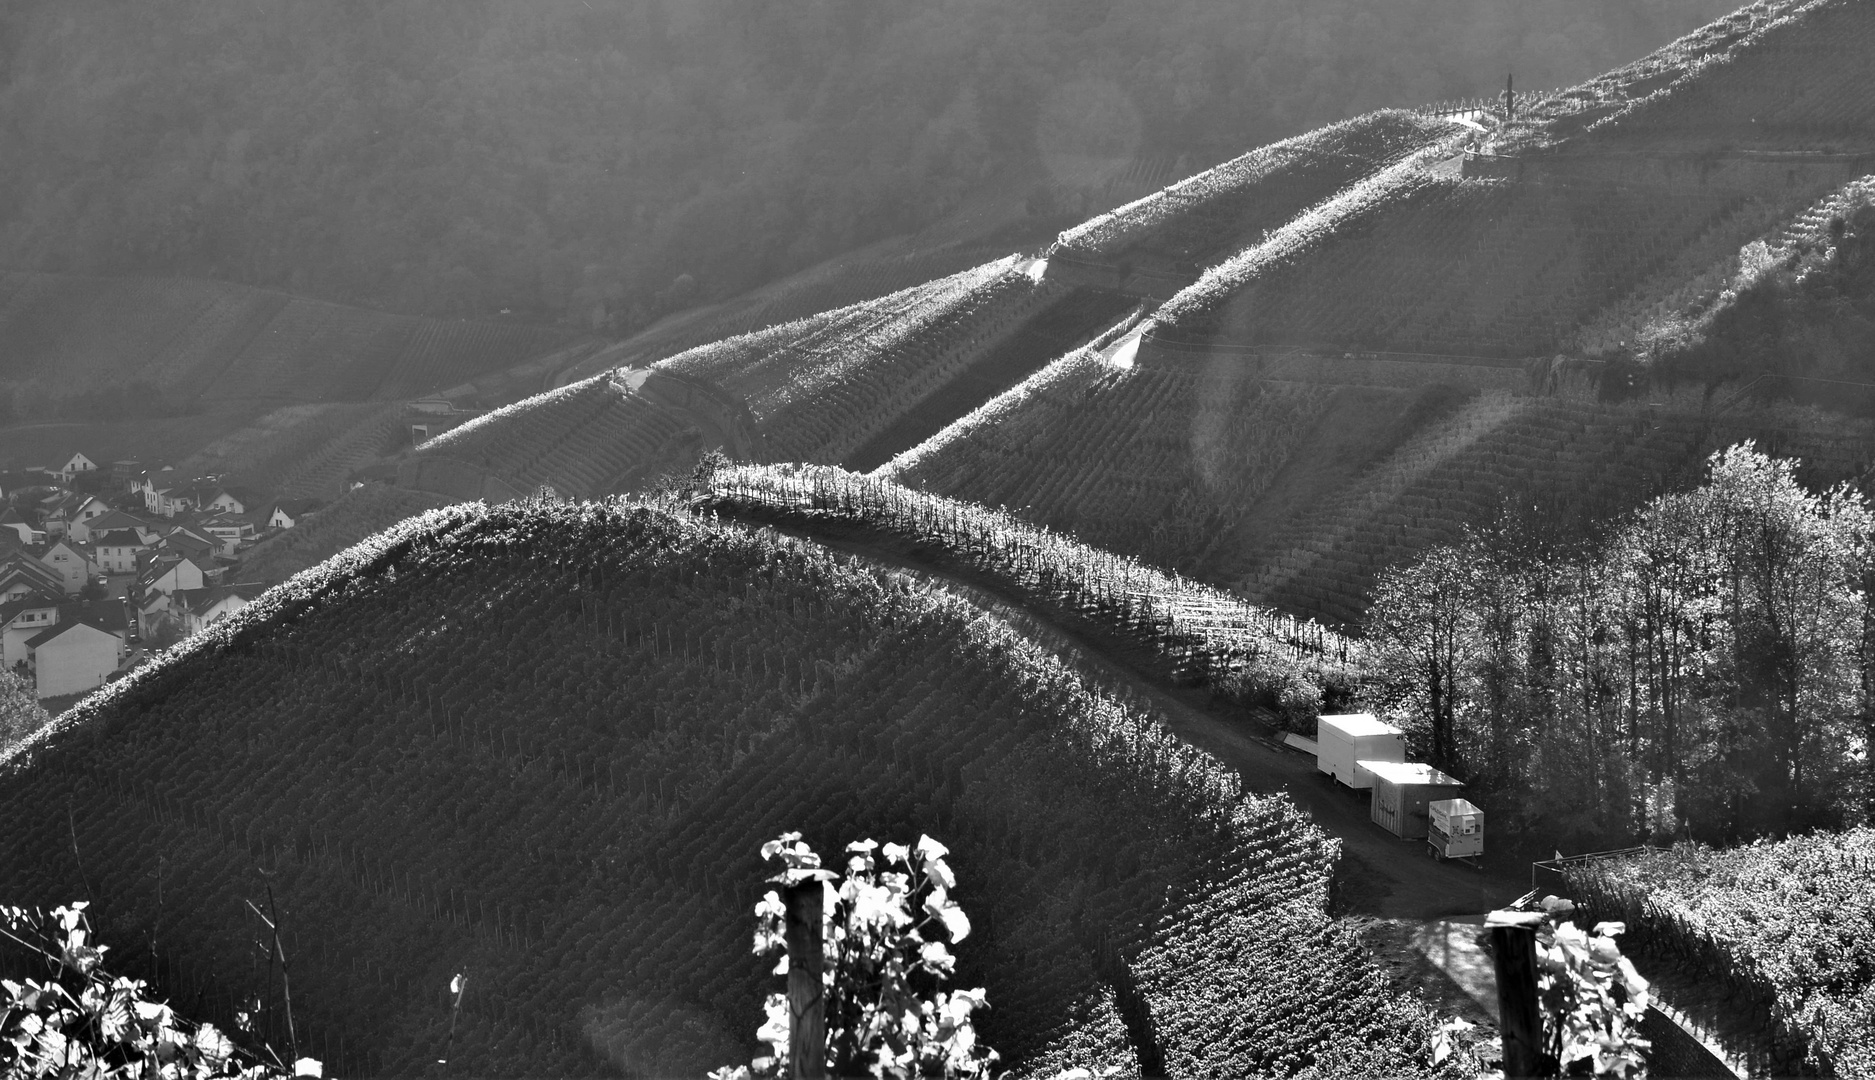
x: 112, y: 348
x: 540, y: 744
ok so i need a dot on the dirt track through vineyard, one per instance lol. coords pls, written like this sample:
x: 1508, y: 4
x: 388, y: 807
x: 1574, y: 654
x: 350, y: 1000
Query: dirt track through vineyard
x: 1381, y: 876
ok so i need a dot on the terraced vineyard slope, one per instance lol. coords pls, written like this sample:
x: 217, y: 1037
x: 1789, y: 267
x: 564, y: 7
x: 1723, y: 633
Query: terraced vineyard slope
x: 362, y: 511
x: 1514, y: 247
x: 1157, y: 245
x: 541, y: 743
x: 856, y: 384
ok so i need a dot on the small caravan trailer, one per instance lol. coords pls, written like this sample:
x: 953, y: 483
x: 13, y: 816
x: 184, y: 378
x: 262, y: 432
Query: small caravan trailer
x: 1457, y: 828
x: 1340, y: 741
x: 1403, y: 792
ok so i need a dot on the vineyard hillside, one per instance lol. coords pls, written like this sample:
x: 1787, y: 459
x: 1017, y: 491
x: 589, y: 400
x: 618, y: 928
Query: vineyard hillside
x: 854, y: 385
x: 1157, y: 245
x: 1514, y: 243
x: 363, y: 510
x: 539, y: 744
x: 1294, y: 481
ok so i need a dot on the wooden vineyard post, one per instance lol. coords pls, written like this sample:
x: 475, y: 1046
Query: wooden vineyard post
x: 1513, y: 951
x: 807, y: 1003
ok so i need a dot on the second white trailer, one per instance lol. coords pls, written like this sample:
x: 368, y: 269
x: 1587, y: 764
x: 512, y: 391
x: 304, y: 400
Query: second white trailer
x: 1341, y: 741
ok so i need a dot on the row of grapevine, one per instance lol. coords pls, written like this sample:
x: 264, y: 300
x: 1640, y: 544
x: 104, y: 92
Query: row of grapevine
x: 1683, y: 304
x: 1434, y: 262
x: 767, y: 368
x: 331, y: 529
x: 1785, y: 73
x: 1188, y: 631
x: 1156, y: 462
x: 1785, y: 927
x: 323, y: 473
x: 1212, y: 213
x: 594, y: 437
x: 541, y: 743
x: 823, y: 388
x: 1068, y: 322
x: 1580, y: 461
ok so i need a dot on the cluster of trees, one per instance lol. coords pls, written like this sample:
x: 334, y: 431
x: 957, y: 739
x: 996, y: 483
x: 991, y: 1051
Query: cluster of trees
x: 608, y: 159
x: 1706, y: 667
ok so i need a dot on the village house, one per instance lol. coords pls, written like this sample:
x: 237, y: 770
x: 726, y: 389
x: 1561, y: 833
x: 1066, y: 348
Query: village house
x: 23, y: 575
x: 65, y: 510
x: 23, y: 527
x: 72, y: 562
x: 75, y: 655
x: 286, y: 513
x: 75, y: 465
x: 200, y: 607
x: 160, y: 576
x: 190, y: 540
x: 88, y: 529
x: 117, y: 551
x: 230, y: 531
x: 22, y: 619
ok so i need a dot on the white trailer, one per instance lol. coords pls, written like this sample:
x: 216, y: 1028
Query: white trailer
x: 1340, y: 741
x: 1456, y: 828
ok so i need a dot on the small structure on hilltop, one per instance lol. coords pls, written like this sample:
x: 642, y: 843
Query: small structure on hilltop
x: 1403, y: 794
x: 1341, y: 741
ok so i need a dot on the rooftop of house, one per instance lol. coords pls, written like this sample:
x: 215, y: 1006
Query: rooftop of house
x: 296, y: 507
x: 209, y: 595
x: 108, y: 619
x: 117, y: 519
x: 36, y: 601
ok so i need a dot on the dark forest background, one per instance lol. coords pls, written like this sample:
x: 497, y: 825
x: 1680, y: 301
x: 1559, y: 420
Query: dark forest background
x: 557, y: 156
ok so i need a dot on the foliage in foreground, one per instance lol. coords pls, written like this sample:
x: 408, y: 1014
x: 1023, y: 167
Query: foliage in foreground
x: 78, y: 1020
x: 20, y: 711
x: 886, y: 930
x: 1786, y: 927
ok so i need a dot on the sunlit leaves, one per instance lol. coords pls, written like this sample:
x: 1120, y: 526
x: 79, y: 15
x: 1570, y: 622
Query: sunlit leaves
x: 1593, y: 999
x: 80, y: 1022
x: 888, y: 925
